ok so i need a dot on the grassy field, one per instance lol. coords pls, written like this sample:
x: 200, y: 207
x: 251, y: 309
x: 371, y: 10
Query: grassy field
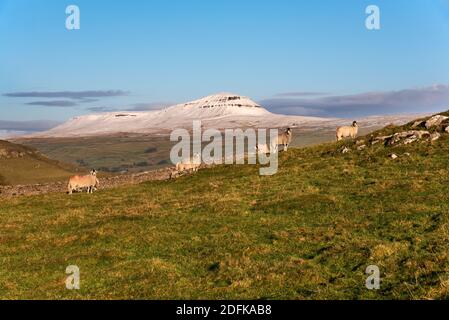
x: 123, y: 153
x: 308, y: 232
x: 30, y: 168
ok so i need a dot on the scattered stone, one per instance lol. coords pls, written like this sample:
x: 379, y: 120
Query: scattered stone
x: 417, y: 124
x: 410, y: 140
x: 407, y: 154
x: 435, y: 121
x: 435, y: 136
x: 362, y: 147
x: 410, y: 137
x: 447, y: 129
x: 345, y: 150
x: 393, y: 156
x: 360, y: 142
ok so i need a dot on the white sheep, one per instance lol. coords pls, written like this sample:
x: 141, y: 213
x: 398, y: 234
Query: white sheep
x: 344, y: 132
x: 283, y: 139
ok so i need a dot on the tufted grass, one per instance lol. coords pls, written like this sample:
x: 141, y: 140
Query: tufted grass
x: 308, y: 232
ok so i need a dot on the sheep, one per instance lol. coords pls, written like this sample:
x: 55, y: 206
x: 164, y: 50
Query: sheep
x: 344, y: 132
x: 191, y: 165
x: 284, y: 139
x: 264, y: 148
x: 79, y: 182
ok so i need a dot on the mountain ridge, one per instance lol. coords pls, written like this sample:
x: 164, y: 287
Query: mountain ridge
x: 224, y: 110
x: 219, y: 111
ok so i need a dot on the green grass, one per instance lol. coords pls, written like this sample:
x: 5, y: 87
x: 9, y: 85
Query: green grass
x: 108, y: 153
x: 308, y: 232
x: 31, y: 168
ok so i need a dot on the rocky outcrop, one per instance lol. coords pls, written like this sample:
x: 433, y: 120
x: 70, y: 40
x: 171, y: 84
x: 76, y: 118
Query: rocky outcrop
x: 407, y: 137
x: 418, y: 123
x: 435, y: 136
x: 435, y: 121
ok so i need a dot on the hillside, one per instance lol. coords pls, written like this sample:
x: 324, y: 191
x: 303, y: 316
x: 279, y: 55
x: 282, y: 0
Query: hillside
x: 24, y: 165
x: 308, y: 232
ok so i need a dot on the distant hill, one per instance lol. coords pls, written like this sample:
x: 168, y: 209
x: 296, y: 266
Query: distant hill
x: 223, y: 110
x: 219, y: 111
x: 24, y: 165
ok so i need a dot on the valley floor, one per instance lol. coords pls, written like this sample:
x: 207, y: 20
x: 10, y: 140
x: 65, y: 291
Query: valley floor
x: 308, y: 232
x: 130, y: 153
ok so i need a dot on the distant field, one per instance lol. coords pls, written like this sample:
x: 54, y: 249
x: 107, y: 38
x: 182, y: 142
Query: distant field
x: 131, y: 153
x: 108, y: 153
x: 308, y: 232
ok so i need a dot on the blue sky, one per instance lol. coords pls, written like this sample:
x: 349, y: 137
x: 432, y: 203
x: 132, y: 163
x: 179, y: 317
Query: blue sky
x: 297, y: 57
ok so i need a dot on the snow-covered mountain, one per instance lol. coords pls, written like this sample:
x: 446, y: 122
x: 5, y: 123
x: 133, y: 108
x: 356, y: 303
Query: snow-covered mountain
x: 220, y: 111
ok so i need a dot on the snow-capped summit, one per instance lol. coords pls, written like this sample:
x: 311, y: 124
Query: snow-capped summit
x: 219, y: 105
x: 220, y: 111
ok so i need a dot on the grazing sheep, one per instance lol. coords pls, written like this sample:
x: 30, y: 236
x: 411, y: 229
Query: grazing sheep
x: 344, y: 132
x: 79, y: 182
x: 191, y: 165
x: 264, y: 148
x: 283, y: 139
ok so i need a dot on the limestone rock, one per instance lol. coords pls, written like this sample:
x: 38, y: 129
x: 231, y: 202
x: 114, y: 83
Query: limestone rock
x: 410, y: 137
x: 435, y: 121
x: 435, y: 136
x: 417, y: 124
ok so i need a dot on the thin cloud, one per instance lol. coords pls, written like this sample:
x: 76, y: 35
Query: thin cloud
x: 102, y: 109
x: 76, y: 95
x: 89, y: 100
x: 425, y: 99
x: 148, y: 106
x: 28, y: 126
x: 54, y: 103
x: 301, y: 94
